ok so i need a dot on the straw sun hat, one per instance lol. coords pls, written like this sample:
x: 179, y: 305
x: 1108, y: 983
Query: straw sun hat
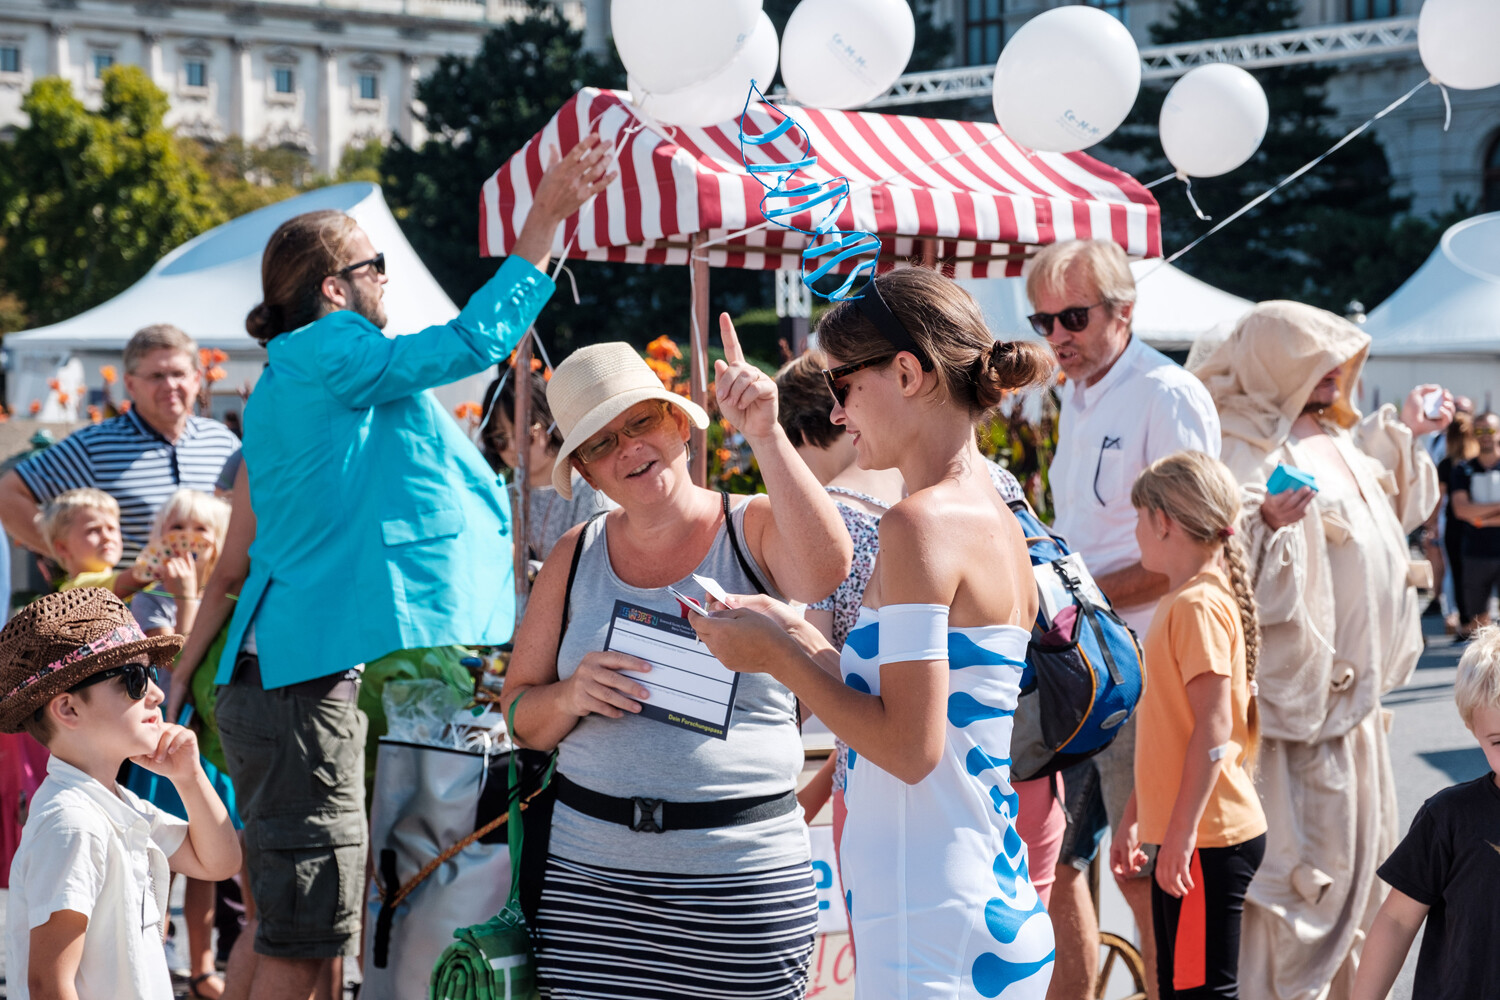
x: 593, y: 386
x: 56, y: 642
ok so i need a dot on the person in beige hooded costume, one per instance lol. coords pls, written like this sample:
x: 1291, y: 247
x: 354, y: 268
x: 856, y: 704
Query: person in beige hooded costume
x: 1334, y: 586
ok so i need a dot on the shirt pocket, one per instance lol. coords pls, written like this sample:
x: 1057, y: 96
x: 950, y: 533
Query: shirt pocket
x: 1109, y: 475
x: 421, y: 527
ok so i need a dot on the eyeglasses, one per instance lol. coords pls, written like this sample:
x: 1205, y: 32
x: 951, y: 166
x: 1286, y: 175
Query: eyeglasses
x: 136, y: 676
x: 1073, y: 319
x: 378, y: 260
x: 833, y: 375
x: 599, y: 447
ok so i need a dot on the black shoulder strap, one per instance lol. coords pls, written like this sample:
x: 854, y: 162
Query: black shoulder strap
x: 567, y: 608
x: 734, y: 543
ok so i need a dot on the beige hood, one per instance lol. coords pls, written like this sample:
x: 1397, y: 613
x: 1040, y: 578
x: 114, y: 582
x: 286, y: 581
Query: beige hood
x: 1261, y: 377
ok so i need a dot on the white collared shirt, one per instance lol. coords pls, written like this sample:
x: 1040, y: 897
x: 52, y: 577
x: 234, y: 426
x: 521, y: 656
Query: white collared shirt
x: 1144, y: 408
x: 102, y: 853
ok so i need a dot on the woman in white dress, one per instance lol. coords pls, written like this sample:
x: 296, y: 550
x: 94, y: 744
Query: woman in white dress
x: 925, y: 692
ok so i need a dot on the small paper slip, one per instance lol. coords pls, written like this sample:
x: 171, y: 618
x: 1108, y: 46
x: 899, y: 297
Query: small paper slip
x: 1053, y: 592
x: 689, y: 688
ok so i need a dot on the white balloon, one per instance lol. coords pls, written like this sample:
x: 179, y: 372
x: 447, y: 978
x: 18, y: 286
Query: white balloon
x: 1213, y: 120
x: 844, y: 53
x: 670, y: 44
x: 1066, y: 79
x: 721, y: 97
x: 1459, y: 41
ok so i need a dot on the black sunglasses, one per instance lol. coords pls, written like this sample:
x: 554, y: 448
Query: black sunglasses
x: 378, y: 260
x: 833, y: 375
x: 1073, y: 319
x: 136, y: 676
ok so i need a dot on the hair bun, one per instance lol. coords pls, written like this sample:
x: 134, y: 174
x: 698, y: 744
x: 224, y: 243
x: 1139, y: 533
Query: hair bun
x: 264, y: 322
x: 1011, y: 365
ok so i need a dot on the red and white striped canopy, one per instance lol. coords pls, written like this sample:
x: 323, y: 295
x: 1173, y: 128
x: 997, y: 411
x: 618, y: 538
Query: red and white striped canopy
x: 984, y: 202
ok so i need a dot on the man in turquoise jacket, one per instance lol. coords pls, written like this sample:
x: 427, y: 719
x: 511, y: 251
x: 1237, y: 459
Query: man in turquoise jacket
x: 379, y: 527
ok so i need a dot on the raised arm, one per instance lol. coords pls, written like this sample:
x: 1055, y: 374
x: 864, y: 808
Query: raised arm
x: 795, y: 531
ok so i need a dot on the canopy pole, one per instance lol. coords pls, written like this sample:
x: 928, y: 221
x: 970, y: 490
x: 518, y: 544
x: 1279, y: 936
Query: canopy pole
x: 521, y: 439
x: 698, y: 370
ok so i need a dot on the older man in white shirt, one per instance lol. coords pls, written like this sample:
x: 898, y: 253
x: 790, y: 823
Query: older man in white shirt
x: 1124, y: 405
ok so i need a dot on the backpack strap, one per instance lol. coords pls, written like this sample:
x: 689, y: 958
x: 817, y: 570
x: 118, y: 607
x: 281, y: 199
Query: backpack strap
x: 567, y: 608
x: 739, y: 555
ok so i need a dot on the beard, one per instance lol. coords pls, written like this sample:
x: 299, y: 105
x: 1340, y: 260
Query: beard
x: 370, y: 305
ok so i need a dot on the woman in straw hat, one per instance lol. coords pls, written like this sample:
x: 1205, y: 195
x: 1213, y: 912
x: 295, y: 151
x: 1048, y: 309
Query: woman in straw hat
x: 934, y: 873
x: 678, y: 862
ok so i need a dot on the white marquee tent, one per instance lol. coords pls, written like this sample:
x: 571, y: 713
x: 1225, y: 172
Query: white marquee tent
x: 206, y: 286
x: 1172, y: 307
x: 1443, y: 324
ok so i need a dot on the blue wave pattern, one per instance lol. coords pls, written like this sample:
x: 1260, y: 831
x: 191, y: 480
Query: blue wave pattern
x: 955, y: 914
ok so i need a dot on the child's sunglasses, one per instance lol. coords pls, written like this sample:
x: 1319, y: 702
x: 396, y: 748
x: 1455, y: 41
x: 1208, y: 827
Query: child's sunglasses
x: 1073, y: 319
x: 834, y: 375
x: 136, y: 677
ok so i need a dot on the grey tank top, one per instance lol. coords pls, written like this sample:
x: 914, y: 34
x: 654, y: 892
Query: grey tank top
x: 635, y: 756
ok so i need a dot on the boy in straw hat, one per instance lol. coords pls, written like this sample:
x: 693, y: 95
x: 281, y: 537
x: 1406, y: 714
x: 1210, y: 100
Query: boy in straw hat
x: 88, y: 890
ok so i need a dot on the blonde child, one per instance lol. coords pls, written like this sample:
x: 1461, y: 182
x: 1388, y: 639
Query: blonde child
x: 186, y: 539
x: 1194, y: 799
x: 82, y: 528
x: 1446, y: 871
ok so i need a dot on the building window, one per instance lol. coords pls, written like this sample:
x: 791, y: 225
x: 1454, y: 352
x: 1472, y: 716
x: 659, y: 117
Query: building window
x: 10, y: 59
x: 195, y: 72
x: 369, y: 87
x: 984, y: 31
x: 1492, y: 176
x: 1116, y: 8
x: 284, y: 80
x: 102, y: 62
x: 1369, y: 10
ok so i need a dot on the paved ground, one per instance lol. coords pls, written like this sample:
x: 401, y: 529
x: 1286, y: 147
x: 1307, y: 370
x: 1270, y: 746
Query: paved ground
x: 1430, y: 749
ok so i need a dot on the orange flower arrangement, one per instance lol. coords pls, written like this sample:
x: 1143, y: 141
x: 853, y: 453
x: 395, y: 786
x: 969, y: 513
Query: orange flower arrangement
x: 664, y: 348
x: 36, y: 407
x: 63, y: 398
x: 83, y: 391
x: 215, y: 374
x: 124, y: 406
x: 95, y: 415
x: 54, y: 385
x: 109, y: 374
x: 468, y: 411
x: 664, y: 370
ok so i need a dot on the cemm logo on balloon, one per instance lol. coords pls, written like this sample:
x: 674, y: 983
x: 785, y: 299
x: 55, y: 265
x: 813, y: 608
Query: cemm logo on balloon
x: 1080, y: 127
x: 846, y: 53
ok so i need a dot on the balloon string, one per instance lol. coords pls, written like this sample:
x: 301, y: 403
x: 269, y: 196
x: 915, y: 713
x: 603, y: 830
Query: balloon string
x: 587, y: 211
x: 1187, y: 187
x: 1248, y: 206
x: 1160, y: 180
x: 1447, y: 104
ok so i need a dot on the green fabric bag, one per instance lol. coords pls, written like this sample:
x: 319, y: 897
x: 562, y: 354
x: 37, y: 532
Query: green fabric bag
x: 492, y: 960
x: 205, y: 695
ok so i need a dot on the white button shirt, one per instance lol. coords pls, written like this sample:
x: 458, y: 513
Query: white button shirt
x: 102, y: 854
x: 1144, y: 408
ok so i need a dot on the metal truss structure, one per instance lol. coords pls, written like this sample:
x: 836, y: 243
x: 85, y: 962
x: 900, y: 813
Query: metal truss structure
x: 1327, y: 43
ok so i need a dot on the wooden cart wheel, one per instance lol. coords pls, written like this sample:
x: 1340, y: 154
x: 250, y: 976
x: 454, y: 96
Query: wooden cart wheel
x: 1117, y: 949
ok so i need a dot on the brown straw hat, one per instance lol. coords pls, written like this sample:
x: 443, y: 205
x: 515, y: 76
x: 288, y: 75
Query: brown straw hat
x: 593, y: 386
x: 56, y: 642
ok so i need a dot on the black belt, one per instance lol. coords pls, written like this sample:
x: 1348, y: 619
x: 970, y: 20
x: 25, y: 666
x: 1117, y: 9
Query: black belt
x: 656, y: 816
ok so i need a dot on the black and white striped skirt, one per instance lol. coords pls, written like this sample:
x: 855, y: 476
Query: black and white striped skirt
x: 607, y: 933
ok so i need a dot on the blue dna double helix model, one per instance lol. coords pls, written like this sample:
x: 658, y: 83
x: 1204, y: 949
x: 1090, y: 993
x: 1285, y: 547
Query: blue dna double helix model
x: 830, y: 246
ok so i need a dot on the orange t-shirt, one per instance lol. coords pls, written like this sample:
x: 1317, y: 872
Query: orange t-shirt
x: 1196, y: 630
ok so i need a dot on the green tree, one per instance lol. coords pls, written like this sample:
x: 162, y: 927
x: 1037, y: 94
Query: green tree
x: 89, y: 200
x: 1336, y: 234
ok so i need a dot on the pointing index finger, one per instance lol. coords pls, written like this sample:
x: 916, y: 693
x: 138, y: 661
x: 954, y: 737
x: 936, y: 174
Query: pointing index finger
x: 732, y: 352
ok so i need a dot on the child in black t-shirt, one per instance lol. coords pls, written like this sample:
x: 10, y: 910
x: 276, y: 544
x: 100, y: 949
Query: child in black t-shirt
x: 1447, y: 870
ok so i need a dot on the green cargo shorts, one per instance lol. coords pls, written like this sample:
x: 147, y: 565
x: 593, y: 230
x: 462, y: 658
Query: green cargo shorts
x: 297, y: 761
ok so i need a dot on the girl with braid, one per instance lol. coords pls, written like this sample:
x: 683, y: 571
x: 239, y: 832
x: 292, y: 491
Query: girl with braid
x: 1195, y: 803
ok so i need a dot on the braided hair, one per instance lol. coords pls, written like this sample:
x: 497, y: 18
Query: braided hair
x: 1202, y: 496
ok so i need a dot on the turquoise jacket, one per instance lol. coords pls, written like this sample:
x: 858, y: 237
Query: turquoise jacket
x: 378, y: 524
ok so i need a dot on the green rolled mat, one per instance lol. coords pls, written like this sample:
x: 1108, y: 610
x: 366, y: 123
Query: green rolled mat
x: 489, y: 961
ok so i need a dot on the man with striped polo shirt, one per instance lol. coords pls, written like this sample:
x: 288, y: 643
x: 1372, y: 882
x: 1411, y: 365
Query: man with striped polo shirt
x: 140, y: 458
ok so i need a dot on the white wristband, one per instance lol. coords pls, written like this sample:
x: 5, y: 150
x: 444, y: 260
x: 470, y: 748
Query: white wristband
x: 913, y: 632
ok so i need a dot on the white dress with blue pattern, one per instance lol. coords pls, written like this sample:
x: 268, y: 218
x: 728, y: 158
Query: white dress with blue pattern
x: 935, y: 876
